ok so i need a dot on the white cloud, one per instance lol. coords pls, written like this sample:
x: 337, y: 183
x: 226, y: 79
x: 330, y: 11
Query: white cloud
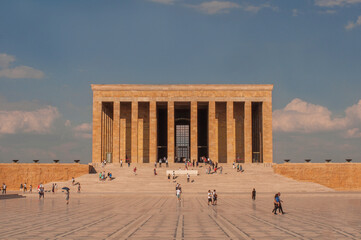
x: 221, y: 7
x: 83, y: 131
x: 256, y: 9
x: 303, y: 117
x: 5, y: 60
x: 168, y: 2
x: 352, y: 25
x: 38, y: 121
x: 216, y: 7
x: 335, y: 3
x: 18, y: 71
x: 67, y: 123
x: 21, y: 72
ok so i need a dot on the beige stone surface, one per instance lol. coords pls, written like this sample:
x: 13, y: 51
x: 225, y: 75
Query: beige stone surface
x: 13, y: 174
x: 153, y: 131
x: 248, y: 131
x: 193, y: 131
x: 170, y: 146
x: 134, y: 132
x: 339, y: 176
x: 116, y: 132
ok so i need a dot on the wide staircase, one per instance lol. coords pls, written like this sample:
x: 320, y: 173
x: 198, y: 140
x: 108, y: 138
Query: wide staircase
x: 258, y: 176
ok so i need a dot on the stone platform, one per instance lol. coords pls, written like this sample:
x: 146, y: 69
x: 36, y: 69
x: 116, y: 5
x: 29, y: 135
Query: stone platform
x: 161, y: 216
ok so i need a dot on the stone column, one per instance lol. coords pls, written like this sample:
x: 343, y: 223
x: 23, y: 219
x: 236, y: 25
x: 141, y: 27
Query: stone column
x: 194, y: 130
x: 152, y: 131
x: 116, y: 131
x: 212, y: 139
x: 122, y: 136
x: 97, y: 131
x: 248, y: 132
x: 267, y: 131
x: 231, y: 133
x: 171, y: 131
x: 134, y: 134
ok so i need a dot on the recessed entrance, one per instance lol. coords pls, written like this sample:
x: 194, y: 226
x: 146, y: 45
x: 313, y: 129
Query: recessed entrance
x: 182, y: 131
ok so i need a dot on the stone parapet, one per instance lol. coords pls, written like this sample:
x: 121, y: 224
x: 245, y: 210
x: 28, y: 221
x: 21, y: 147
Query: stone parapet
x: 35, y: 173
x: 339, y: 176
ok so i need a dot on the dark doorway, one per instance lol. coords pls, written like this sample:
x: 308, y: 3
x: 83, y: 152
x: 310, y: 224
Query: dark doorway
x: 182, y: 131
x: 257, y: 132
x: 202, y: 129
x: 162, y: 130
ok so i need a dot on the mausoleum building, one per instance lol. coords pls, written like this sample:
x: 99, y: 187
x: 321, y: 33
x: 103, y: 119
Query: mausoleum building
x: 143, y: 123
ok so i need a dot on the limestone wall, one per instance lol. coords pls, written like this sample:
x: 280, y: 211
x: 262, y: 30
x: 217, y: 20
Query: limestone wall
x: 34, y: 173
x: 339, y: 176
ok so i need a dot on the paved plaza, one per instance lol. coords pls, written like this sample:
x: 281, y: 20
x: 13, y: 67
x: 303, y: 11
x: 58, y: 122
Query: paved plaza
x: 161, y: 216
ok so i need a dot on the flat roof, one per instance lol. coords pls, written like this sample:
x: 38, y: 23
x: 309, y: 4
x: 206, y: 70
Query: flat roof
x: 182, y: 87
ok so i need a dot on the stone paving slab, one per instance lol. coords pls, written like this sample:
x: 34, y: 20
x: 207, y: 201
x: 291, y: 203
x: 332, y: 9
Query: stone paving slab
x: 139, y: 216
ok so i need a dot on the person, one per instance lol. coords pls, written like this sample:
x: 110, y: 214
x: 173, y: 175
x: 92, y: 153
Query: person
x: 234, y: 165
x: 240, y: 168
x: 110, y: 176
x: 72, y: 180
x: 67, y: 193
x: 254, y: 194
x: 21, y: 187
x: 79, y: 188
x: 193, y: 163
x: 209, y: 197
x: 173, y: 174
x: 220, y: 169
x: 100, y: 176
x: 214, y: 197
x: 121, y: 163
x: 128, y: 163
x: 166, y: 162
x: 31, y: 188
x: 25, y: 189
x: 155, y: 164
x: 53, y: 188
x: 280, y: 210
x: 160, y: 163
x: 276, y: 204
x: 155, y: 172
x: 237, y: 167
x: 135, y: 170
x: 178, y: 193
x: 169, y: 176
x: 41, y: 191
x: 4, y: 188
x: 188, y: 177
x: 56, y: 187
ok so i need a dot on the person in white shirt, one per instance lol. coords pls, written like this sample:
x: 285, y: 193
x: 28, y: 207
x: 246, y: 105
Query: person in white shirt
x: 209, y: 197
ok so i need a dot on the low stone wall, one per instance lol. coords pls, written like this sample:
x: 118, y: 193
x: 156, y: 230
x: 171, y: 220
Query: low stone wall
x: 12, y: 174
x: 339, y: 176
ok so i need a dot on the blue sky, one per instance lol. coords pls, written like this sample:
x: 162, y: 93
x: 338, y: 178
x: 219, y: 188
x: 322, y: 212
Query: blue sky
x: 51, y: 51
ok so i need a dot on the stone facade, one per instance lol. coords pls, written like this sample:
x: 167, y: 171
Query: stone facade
x: 126, y: 122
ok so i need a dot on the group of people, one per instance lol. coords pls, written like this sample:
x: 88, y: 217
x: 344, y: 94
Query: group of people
x: 23, y: 187
x: 277, y: 204
x: 160, y: 161
x: 238, y: 167
x: 212, y: 197
x: 127, y: 161
x: 103, y: 176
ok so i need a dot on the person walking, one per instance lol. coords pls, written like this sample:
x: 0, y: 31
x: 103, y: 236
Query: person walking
x: 188, y: 177
x: 41, y: 191
x: 166, y: 162
x: 21, y: 187
x: 155, y: 172
x: 254, y: 194
x: 67, y: 195
x: 135, y: 170
x: 53, y: 188
x: 31, y: 188
x: 280, y: 210
x: 214, y: 197
x: 209, y: 197
x: 4, y: 188
x: 25, y: 189
x: 121, y: 163
x: 276, y: 204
